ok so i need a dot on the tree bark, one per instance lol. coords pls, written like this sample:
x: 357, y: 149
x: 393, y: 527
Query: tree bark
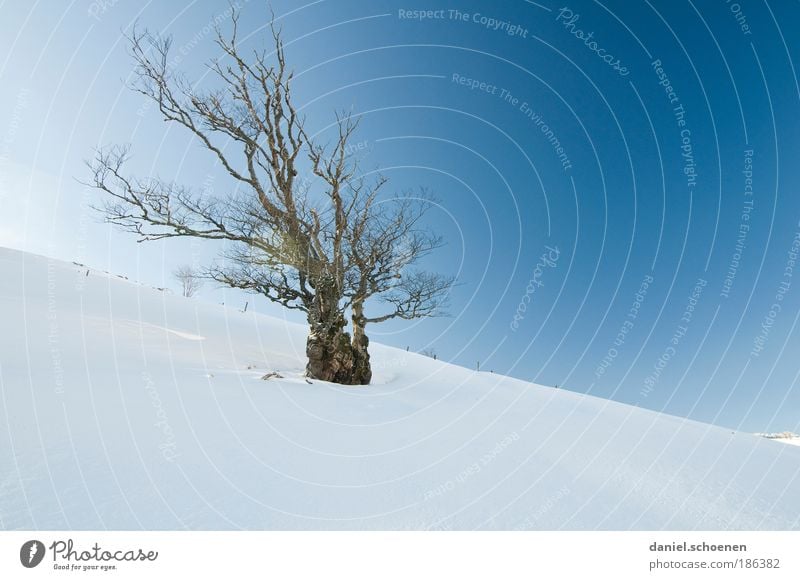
x: 360, y: 343
x: 332, y: 355
x: 329, y: 354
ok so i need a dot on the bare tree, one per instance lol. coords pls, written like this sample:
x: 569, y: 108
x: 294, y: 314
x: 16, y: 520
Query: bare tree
x: 324, y: 251
x: 191, y: 280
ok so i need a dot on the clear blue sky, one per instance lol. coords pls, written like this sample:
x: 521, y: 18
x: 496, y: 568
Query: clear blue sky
x: 616, y: 133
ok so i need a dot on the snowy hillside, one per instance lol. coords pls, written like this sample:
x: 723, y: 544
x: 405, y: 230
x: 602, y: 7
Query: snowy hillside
x: 124, y: 407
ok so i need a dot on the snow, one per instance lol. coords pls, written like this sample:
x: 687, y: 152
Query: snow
x: 784, y: 437
x: 126, y: 407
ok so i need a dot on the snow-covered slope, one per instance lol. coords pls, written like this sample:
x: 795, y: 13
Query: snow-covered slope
x: 124, y: 407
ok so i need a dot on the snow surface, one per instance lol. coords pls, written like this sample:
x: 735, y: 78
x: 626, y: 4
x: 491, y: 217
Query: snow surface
x: 786, y: 437
x: 125, y: 407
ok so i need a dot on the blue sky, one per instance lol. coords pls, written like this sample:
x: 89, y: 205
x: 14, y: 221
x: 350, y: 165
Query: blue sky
x: 616, y: 133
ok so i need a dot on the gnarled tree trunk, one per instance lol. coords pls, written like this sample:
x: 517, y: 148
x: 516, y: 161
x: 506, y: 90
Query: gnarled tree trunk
x: 332, y: 355
x: 362, y: 370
